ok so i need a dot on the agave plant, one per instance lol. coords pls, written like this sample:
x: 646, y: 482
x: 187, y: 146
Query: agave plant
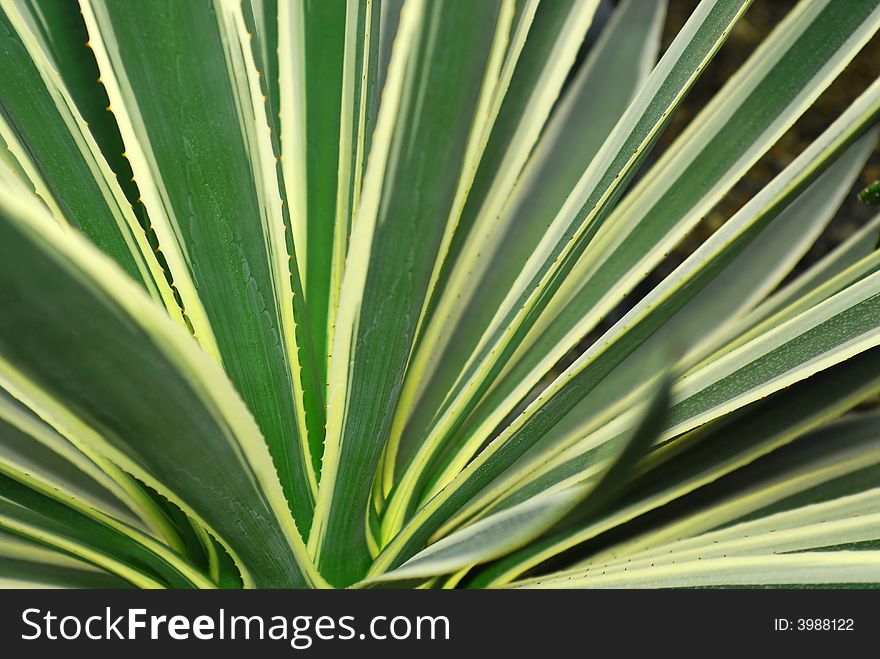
x: 301, y: 293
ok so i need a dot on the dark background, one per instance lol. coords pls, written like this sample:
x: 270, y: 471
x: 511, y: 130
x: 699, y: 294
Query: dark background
x: 757, y: 23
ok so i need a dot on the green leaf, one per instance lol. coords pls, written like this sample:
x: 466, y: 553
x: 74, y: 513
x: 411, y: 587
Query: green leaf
x: 192, y: 116
x: 870, y: 194
x: 93, y: 356
x: 393, y: 244
x: 17, y: 548
x: 504, y: 53
x: 50, y: 140
x: 852, y: 261
x: 489, y: 538
x: 67, y: 470
x: 852, y: 250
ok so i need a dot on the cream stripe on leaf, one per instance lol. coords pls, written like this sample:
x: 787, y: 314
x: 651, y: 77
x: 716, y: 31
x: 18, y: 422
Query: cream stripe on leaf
x: 292, y: 117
